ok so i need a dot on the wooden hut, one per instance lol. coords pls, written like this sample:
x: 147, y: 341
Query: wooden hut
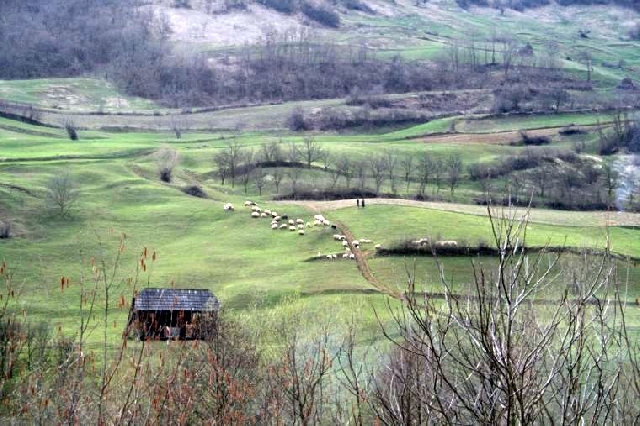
x: 167, y: 313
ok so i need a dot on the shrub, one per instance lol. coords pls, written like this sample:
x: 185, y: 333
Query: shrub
x: 357, y: 5
x: 5, y: 229
x: 570, y: 131
x: 284, y: 6
x: 296, y: 121
x: 321, y: 15
x: 195, y: 190
x: 534, y: 140
x: 71, y: 131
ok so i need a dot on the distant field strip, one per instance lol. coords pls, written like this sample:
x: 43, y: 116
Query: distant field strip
x: 551, y: 217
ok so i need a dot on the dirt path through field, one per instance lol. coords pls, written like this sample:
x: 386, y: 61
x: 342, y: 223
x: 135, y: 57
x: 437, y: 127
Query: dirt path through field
x: 542, y: 216
x: 497, y: 138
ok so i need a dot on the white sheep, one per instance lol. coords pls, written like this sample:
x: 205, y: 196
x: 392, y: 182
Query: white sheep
x: 255, y: 215
x: 274, y: 214
x: 365, y: 241
x: 317, y: 222
x: 378, y: 246
x: 291, y: 222
x: 292, y: 228
x: 301, y: 232
x: 355, y: 243
x: 352, y: 256
x: 268, y: 212
x: 345, y: 244
x: 277, y: 218
x: 337, y: 237
x: 228, y: 207
x: 326, y: 222
x: 300, y: 226
x: 446, y: 244
x: 300, y: 221
x: 284, y: 226
x: 347, y: 250
x: 345, y: 255
x: 247, y: 203
x: 263, y: 214
x: 329, y: 257
x: 334, y: 256
x: 318, y: 217
x: 274, y: 226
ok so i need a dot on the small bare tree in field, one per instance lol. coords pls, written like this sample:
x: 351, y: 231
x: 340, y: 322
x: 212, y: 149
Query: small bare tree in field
x: 406, y: 164
x: 311, y: 151
x: 166, y: 159
x: 493, y: 355
x: 61, y: 193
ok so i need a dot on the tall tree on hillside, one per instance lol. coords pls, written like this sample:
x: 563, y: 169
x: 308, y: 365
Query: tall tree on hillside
x: 61, y: 193
x: 454, y: 170
x: 406, y: 164
x: 378, y: 168
x: 425, y: 169
x: 311, y: 151
x: 391, y: 161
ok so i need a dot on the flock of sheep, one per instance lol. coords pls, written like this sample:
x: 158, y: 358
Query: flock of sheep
x: 283, y: 222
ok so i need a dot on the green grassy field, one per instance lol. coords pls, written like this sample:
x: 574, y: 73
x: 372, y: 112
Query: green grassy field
x: 253, y: 270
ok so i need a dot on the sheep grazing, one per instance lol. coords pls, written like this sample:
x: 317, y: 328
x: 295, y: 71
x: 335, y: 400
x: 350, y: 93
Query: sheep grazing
x: 352, y: 256
x: 301, y: 232
x: 316, y: 222
x: 300, y: 226
x: 274, y: 226
x: 337, y: 237
x: 345, y: 255
x: 267, y: 212
x: 277, y: 218
x: 378, y: 246
x: 248, y: 203
x: 326, y: 222
x: 329, y: 257
x: 318, y: 217
x: 345, y: 244
x: 263, y: 214
x: 291, y: 222
x: 256, y: 209
x: 255, y: 215
x: 446, y: 244
x: 365, y: 241
x: 355, y: 243
x: 228, y: 207
x: 300, y: 221
x: 292, y: 228
x: 334, y: 256
x: 347, y: 250
x: 274, y: 214
x: 284, y: 226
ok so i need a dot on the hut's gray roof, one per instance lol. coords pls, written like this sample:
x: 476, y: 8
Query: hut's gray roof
x: 170, y: 299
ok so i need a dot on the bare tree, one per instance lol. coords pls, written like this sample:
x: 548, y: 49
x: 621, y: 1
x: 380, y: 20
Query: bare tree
x: 610, y: 177
x: 425, y: 169
x: 248, y: 165
x: 454, y: 170
x: 259, y: 178
x: 586, y: 58
x: 167, y: 160
x: 360, y: 171
x: 278, y: 175
x: 345, y: 167
x: 221, y: 160
x: 311, y: 151
x: 378, y: 167
x: 234, y: 156
x: 61, y: 193
x: 391, y: 161
x: 485, y: 357
x: 406, y: 164
x: 438, y: 171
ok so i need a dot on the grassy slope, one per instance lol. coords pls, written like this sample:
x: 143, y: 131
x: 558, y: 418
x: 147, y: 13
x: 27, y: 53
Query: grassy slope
x: 251, y: 268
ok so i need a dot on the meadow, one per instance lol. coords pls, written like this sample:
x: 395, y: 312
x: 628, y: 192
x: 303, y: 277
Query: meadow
x: 255, y: 272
